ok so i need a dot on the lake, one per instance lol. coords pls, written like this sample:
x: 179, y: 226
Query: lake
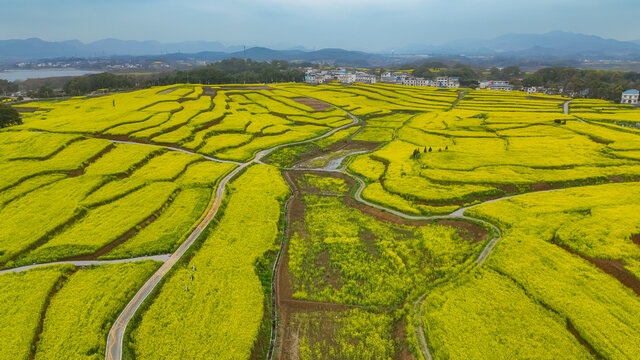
x: 13, y: 75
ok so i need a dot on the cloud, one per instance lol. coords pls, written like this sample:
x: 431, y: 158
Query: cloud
x: 355, y: 24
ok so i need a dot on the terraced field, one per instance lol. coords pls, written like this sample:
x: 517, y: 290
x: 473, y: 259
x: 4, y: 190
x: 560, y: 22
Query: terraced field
x: 420, y: 223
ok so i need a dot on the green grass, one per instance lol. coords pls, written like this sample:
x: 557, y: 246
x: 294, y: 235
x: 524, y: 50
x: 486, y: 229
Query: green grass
x: 350, y: 258
x: 82, y: 312
x: 23, y: 296
x: 488, y: 316
x: 350, y: 334
x: 71, y: 158
x: 103, y: 224
x: 601, y: 308
x: 173, y: 225
x: 39, y: 213
x: 225, y: 290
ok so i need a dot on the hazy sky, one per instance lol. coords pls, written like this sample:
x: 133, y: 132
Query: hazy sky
x: 353, y: 24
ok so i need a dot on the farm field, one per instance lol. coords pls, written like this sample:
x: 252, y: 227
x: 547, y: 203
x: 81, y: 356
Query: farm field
x: 358, y: 268
x: 289, y: 221
x: 62, y: 312
x: 224, y: 288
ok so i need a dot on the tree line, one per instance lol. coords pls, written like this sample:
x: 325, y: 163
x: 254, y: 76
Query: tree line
x: 596, y: 84
x: 231, y: 71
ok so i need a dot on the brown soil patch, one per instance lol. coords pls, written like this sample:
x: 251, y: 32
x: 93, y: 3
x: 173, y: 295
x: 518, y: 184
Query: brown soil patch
x: 614, y: 268
x: 264, y: 87
x: 540, y: 187
x: 288, y: 335
x: 294, y: 305
x: 208, y: 91
x: 600, y: 141
x: 636, y: 239
x: 58, y: 285
x: 50, y: 155
x: 544, y: 99
x: 507, y: 188
x: 616, y: 178
x: 469, y: 231
x: 315, y: 104
x: 22, y: 109
x: 167, y: 91
x: 116, y: 138
x: 400, y: 334
x: 351, y: 146
x: 582, y: 340
x: 80, y: 170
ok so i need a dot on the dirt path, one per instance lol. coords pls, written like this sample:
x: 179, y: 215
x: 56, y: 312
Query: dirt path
x: 171, y: 148
x: 85, y: 263
x: 116, y: 334
x: 566, y: 111
x: 456, y: 215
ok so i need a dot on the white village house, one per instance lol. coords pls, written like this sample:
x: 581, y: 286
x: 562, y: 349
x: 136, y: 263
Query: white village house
x: 630, y: 97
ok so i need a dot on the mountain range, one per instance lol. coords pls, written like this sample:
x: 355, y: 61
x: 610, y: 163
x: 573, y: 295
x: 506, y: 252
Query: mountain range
x: 557, y: 44
x: 35, y: 48
x: 552, y: 45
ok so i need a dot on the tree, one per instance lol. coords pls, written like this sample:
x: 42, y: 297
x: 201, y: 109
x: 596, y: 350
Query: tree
x: 43, y: 92
x: 9, y: 116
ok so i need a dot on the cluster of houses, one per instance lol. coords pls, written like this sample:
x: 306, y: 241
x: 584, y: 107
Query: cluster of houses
x: 630, y: 97
x: 403, y: 78
x: 341, y: 75
x: 505, y: 85
x: 314, y: 76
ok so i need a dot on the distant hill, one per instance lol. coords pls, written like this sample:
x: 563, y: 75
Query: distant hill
x: 556, y: 44
x: 35, y: 48
x: 330, y: 56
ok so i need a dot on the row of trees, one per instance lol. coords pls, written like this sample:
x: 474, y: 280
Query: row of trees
x: 598, y: 84
x: 86, y: 84
x: 9, y: 116
x: 7, y: 87
x: 232, y: 71
x: 468, y: 76
x: 236, y: 71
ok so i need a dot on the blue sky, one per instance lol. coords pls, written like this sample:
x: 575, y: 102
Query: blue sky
x: 353, y: 24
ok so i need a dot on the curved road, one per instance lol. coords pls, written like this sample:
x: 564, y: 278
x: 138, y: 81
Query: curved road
x: 458, y: 214
x: 116, y: 334
x: 176, y: 149
x: 84, y: 263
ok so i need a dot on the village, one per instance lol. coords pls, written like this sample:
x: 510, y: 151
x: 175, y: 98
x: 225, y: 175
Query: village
x: 342, y: 75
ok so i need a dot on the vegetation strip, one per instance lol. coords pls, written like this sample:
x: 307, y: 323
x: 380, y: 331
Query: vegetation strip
x: 115, y: 338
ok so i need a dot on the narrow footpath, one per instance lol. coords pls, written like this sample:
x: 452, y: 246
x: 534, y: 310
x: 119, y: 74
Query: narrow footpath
x: 116, y: 334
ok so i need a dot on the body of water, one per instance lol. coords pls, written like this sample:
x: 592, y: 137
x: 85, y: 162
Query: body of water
x: 13, y: 75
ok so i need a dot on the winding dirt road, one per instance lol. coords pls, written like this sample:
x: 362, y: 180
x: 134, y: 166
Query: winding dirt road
x: 116, y: 334
x: 85, y: 263
x: 458, y: 215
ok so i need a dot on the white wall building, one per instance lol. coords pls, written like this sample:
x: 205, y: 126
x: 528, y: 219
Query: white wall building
x: 364, y: 78
x: 346, y: 78
x: 499, y: 85
x: 630, y: 97
x: 417, y: 82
